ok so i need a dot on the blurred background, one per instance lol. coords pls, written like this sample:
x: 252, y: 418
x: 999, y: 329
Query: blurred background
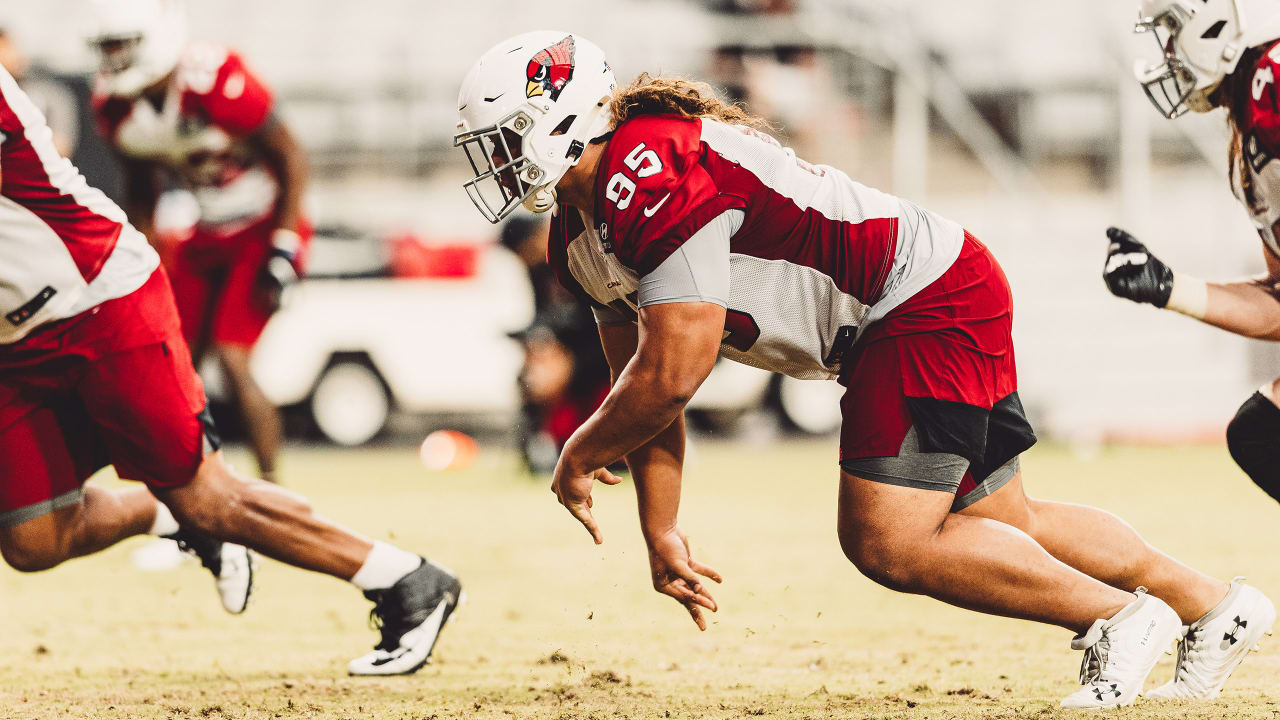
x: 418, y: 314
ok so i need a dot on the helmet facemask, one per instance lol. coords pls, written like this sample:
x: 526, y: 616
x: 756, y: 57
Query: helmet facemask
x: 138, y: 43
x: 1170, y: 85
x: 116, y: 55
x: 498, y: 189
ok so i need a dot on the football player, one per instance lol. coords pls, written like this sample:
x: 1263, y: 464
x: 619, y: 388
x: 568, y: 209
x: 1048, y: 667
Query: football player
x: 196, y: 114
x: 1218, y: 54
x: 94, y: 371
x: 693, y: 233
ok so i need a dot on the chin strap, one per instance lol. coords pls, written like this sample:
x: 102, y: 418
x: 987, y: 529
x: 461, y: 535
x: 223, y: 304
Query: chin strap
x: 542, y: 200
x: 597, y: 124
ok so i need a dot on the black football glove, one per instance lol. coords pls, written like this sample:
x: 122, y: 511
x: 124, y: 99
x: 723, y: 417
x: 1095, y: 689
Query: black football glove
x: 1133, y: 272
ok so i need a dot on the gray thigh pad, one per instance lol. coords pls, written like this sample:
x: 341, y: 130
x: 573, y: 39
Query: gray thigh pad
x: 912, y: 468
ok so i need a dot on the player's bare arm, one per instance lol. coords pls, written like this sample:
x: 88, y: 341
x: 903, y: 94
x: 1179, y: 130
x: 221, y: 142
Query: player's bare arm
x: 678, y: 344
x: 657, y: 467
x: 1248, y: 306
x: 289, y: 161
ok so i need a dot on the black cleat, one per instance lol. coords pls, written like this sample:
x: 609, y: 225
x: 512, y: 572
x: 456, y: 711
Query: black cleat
x: 232, y: 566
x: 410, y: 615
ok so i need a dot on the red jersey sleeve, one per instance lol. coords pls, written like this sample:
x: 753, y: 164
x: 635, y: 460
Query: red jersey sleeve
x: 1264, y: 103
x: 224, y: 90
x: 653, y: 190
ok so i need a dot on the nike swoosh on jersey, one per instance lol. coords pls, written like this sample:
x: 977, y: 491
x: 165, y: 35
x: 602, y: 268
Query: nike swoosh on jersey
x: 649, y: 211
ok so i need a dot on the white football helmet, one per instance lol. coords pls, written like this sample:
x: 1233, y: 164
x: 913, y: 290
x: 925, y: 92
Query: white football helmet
x: 527, y: 109
x: 138, y: 42
x: 1200, y: 42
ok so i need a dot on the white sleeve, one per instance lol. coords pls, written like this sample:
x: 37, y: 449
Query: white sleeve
x: 698, y: 271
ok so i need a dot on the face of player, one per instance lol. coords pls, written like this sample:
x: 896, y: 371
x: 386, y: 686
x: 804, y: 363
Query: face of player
x: 117, y: 55
x: 502, y: 154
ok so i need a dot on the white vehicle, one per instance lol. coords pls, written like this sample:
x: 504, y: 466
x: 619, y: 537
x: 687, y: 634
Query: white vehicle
x: 352, y: 346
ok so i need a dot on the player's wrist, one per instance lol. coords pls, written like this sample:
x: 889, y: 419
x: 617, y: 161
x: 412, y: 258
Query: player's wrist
x: 653, y: 530
x: 1189, y: 296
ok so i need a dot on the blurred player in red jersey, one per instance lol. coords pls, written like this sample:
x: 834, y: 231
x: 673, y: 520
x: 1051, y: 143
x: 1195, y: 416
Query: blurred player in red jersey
x: 196, y: 114
x: 94, y: 371
x: 693, y: 233
x: 1218, y: 54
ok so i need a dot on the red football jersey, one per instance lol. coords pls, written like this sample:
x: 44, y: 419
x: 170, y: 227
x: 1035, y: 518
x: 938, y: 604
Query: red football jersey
x: 1260, y: 128
x: 200, y: 132
x: 64, y: 247
x: 817, y: 257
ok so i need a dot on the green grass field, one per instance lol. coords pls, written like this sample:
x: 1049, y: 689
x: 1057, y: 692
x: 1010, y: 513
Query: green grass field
x: 558, y: 628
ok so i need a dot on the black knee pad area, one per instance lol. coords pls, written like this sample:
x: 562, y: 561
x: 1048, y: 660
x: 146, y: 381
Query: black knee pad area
x: 1253, y: 437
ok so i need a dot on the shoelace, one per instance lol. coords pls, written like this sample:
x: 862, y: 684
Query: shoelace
x: 1190, y: 649
x: 378, y: 622
x: 1095, y: 660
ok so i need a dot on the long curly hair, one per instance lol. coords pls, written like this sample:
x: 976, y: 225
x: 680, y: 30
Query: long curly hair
x: 1234, y: 94
x: 672, y: 95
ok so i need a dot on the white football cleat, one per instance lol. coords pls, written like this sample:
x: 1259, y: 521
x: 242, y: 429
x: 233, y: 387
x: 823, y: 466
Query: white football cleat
x: 232, y: 566
x: 410, y: 614
x: 234, y: 579
x: 1211, y: 647
x: 1120, y: 653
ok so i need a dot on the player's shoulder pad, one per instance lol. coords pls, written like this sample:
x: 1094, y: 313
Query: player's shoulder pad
x: 1263, y: 120
x: 217, y: 81
x: 205, y: 66
x: 652, y: 189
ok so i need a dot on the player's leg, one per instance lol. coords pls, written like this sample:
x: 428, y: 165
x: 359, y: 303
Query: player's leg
x: 1253, y: 437
x: 932, y: 420
x: 1102, y: 546
x: 413, y: 597
x: 46, y: 517
x: 906, y: 538
x: 1222, y: 621
x: 191, y: 281
x: 99, y: 520
x: 273, y: 520
x: 261, y: 416
x: 240, y: 316
x: 148, y: 404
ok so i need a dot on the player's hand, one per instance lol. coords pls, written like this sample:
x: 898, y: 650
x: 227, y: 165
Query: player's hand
x: 573, y: 490
x: 280, y: 272
x: 676, y: 573
x: 1132, y: 272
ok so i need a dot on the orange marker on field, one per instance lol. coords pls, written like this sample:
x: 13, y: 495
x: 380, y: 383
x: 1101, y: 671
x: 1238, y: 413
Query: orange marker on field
x: 448, y: 450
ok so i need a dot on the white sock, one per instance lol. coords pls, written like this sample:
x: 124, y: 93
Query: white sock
x: 164, y: 524
x: 384, y: 567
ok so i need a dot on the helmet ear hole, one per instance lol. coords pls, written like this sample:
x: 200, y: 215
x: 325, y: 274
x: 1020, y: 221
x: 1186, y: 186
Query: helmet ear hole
x: 564, y: 125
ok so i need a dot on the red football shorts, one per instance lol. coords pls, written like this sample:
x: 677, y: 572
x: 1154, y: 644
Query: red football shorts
x: 941, y: 365
x: 215, y: 284
x: 113, y: 385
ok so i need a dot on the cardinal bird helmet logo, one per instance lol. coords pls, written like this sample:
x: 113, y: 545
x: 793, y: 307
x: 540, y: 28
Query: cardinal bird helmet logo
x: 550, y: 70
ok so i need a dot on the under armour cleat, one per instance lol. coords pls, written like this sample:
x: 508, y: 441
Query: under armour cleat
x: 232, y: 565
x: 1120, y: 653
x: 1211, y: 647
x: 410, y: 615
